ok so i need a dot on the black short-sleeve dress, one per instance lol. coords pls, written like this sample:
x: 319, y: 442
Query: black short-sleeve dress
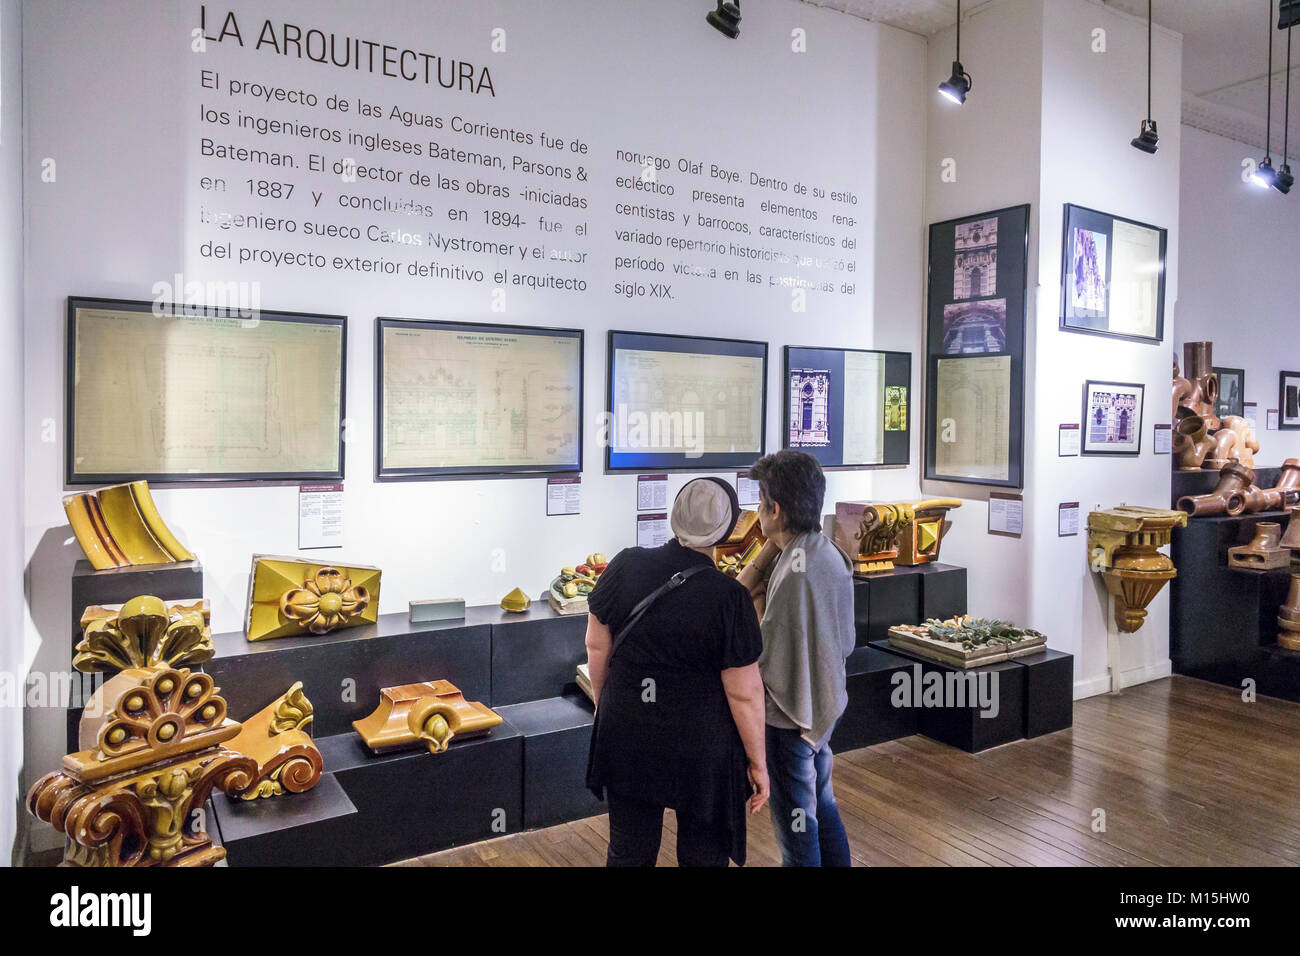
x: 664, y: 731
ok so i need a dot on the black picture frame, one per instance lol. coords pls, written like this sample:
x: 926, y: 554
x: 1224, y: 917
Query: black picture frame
x: 1225, y: 405
x: 444, y: 473
x: 1288, y: 390
x: 954, y: 291
x: 1086, y: 426
x: 74, y: 478
x: 1096, y: 321
x: 897, y: 443
x: 675, y: 462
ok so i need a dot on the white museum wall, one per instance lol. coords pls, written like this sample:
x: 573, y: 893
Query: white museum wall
x: 993, y: 141
x: 1092, y: 106
x: 11, y: 420
x: 849, y: 113
x: 1239, y: 288
x: 1047, y: 122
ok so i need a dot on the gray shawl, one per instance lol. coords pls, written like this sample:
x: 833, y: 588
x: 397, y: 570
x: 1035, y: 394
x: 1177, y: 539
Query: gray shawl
x: 807, y: 634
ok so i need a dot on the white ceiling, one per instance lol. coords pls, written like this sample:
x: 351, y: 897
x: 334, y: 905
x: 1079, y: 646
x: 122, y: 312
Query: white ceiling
x: 1225, y: 56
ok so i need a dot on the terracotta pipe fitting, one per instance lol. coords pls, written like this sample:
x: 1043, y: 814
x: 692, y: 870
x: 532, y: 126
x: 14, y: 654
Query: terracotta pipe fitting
x: 1228, y: 497
x: 1287, y: 490
x: 1291, y: 539
x: 1224, y: 448
x: 1182, y: 393
x: 1191, y: 442
x: 1288, y: 617
x: 1247, y: 444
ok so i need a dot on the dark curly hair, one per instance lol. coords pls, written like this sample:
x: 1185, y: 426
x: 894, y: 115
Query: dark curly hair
x: 794, y: 480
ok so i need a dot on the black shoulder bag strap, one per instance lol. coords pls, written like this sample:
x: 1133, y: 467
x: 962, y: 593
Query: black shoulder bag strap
x: 676, y: 581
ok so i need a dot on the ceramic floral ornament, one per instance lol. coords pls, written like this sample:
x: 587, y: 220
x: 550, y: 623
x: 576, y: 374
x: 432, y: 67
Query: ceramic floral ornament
x: 292, y: 597
x: 325, y: 602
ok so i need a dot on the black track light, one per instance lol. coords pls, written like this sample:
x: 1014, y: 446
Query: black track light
x: 1264, y: 175
x: 956, y: 86
x: 726, y: 18
x: 1283, y: 181
x: 1147, y: 140
x: 959, y: 84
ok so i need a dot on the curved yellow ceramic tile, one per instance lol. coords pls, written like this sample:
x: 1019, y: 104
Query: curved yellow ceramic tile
x: 154, y: 522
x: 128, y: 528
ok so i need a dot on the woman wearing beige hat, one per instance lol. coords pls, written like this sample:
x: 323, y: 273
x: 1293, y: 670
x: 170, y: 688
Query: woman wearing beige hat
x: 672, y: 648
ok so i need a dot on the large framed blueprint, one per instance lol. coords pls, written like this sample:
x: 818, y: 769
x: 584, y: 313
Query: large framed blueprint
x: 170, y: 392
x: 463, y: 398
x: 684, y: 402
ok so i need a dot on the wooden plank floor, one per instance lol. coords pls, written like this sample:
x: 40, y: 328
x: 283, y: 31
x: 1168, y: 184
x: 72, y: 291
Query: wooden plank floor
x: 1186, y: 772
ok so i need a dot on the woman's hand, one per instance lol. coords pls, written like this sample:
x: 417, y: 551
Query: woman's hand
x: 758, y: 783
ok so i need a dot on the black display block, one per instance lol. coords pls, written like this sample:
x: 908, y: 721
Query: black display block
x: 413, y: 802
x: 1223, y: 620
x: 1049, y: 691
x: 343, y: 672
x: 535, y: 654
x: 906, y: 595
x: 870, y: 718
x: 557, y: 738
x: 288, y: 830
x: 961, y: 721
x: 171, y: 582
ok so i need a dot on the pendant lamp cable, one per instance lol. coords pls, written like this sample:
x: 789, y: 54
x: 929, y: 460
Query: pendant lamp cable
x: 1286, y: 108
x: 1268, y: 96
x: 1149, y: 2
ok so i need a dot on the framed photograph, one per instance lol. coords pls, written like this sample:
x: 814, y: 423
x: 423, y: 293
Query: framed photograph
x: 1232, y: 392
x: 1288, y: 400
x: 462, y: 399
x: 1112, y: 275
x: 1112, y: 418
x: 848, y: 408
x: 975, y: 342
x: 173, y: 392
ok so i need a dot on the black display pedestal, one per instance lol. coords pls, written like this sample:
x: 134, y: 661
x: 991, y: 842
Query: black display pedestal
x: 1223, y: 620
x: 171, y: 582
x: 906, y: 596
x: 979, y: 708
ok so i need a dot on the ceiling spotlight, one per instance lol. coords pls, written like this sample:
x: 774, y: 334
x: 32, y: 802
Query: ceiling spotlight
x: 959, y: 84
x: 956, y: 86
x: 1147, y: 140
x: 1264, y: 174
x: 1284, y: 180
x: 726, y: 18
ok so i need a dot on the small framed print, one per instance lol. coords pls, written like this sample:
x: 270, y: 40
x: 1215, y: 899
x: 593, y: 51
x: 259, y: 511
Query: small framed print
x: 1288, y: 400
x: 1232, y: 392
x: 1112, y: 418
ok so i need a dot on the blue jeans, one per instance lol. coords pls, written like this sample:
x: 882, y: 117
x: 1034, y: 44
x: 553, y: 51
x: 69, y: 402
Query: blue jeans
x: 804, y: 814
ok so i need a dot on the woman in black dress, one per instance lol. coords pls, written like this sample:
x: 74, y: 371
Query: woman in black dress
x: 679, y: 720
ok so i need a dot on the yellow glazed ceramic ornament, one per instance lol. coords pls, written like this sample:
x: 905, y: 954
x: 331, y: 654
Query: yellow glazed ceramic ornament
x: 289, y: 597
x: 516, y: 601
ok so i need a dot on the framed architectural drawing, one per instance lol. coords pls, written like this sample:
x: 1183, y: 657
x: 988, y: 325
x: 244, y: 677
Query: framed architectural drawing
x: 460, y: 399
x: 848, y: 408
x: 1288, y: 400
x: 685, y: 402
x: 1112, y: 275
x: 975, y: 344
x: 1232, y: 392
x: 1112, y: 418
x: 170, y: 392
